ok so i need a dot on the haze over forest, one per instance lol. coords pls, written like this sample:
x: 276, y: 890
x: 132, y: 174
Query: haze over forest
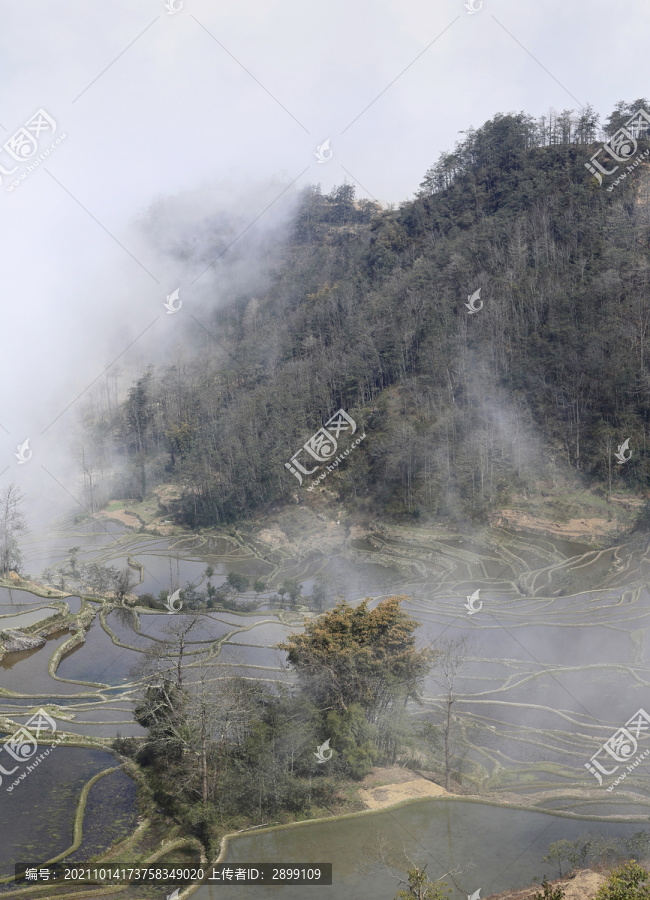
x: 365, y: 309
x: 77, y: 262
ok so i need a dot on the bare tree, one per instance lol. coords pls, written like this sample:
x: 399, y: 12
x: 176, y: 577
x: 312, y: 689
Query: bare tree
x: 452, y: 656
x: 12, y: 524
x: 165, y: 659
x: 173, y: 713
x: 192, y: 711
x: 87, y: 470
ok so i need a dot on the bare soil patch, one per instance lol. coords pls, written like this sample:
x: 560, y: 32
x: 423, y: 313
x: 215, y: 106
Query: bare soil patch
x: 583, y: 886
x: 298, y: 537
x: 120, y: 515
x: 385, y: 786
x: 574, y: 528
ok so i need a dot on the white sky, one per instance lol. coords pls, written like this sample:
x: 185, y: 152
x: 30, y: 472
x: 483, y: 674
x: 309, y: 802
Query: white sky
x: 215, y: 99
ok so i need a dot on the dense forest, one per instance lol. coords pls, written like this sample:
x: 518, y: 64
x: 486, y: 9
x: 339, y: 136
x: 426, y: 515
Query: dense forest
x: 365, y: 311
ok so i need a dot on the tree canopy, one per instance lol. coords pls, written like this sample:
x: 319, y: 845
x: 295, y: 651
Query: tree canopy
x: 353, y: 654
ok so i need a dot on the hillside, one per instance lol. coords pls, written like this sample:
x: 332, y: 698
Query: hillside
x: 365, y: 310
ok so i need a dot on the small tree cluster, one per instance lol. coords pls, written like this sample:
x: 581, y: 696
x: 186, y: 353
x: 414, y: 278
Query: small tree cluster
x: 598, y: 849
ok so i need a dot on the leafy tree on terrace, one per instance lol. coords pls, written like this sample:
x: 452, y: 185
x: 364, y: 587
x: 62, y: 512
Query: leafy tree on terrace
x: 560, y: 850
x: 359, y: 655
x: 292, y: 587
x: 237, y: 583
x: 123, y: 582
x: 100, y: 579
x: 319, y: 594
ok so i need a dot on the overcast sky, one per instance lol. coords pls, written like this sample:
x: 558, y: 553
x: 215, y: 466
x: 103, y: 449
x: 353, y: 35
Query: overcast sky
x: 227, y: 104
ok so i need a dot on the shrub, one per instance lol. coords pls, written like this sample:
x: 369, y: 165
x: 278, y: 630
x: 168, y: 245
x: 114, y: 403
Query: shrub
x: 126, y: 746
x: 628, y: 882
x: 638, y: 845
x: 419, y: 886
x: 548, y: 892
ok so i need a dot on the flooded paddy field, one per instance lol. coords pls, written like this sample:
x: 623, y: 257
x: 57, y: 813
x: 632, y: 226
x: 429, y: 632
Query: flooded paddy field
x: 560, y: 659
x: 38, y: 815
x: 443, y: 833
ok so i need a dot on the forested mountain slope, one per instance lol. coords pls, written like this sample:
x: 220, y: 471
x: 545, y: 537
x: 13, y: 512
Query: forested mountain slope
x: 366, y: 311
